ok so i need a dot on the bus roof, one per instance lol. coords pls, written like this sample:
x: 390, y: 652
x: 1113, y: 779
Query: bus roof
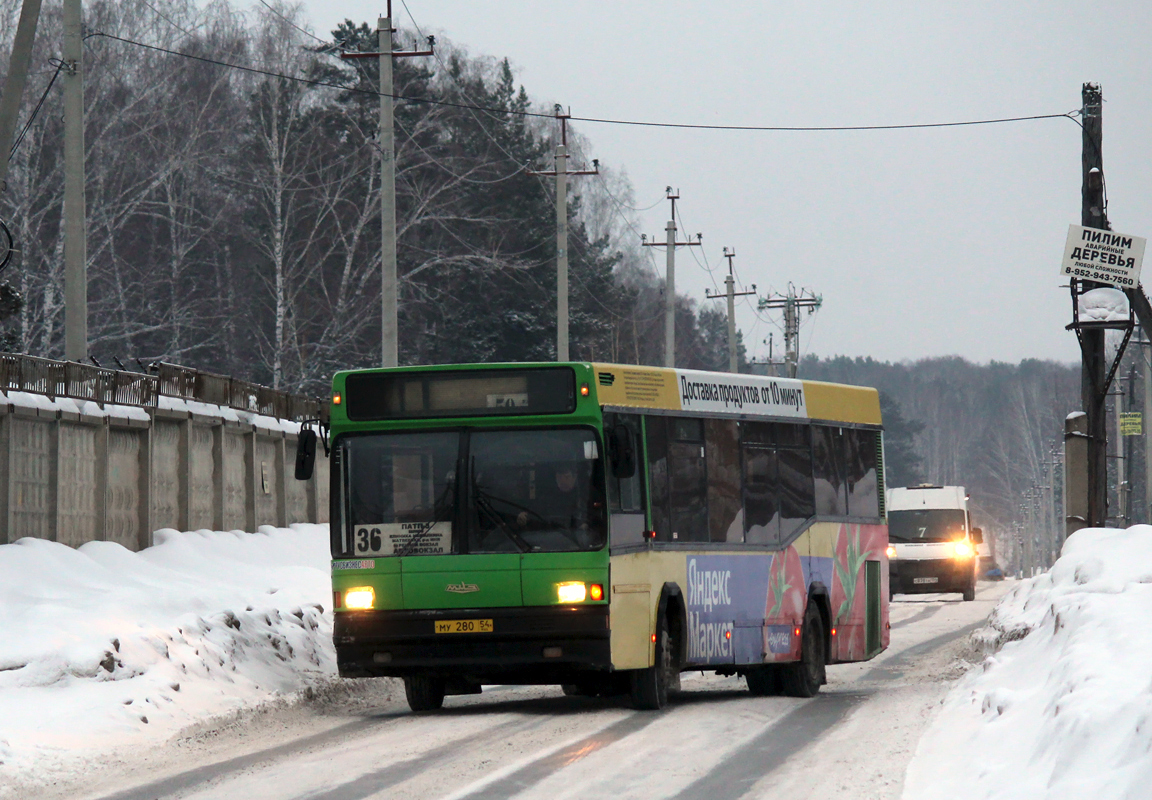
x: 661, y: 388
x: 695, y: 391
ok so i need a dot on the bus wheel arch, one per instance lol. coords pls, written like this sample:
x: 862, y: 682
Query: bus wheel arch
x: 650, y: 687
x: 671, y: 608
x: 818, y: 593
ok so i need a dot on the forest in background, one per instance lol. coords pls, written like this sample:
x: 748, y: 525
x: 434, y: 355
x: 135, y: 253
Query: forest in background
x: 233, y: 226
x: 233, y: 217
x: 992, y: 428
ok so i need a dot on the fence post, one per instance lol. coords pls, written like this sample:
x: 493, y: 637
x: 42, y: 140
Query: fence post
x: 100, y: 457
x: 252, y: 476
x: 281, y: 482
x: 7, y: 518
x: 184, y: 476
x: 144, y: 532
x: 218, y: 476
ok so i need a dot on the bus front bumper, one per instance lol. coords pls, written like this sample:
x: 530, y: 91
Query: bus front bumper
x: 529, y: 645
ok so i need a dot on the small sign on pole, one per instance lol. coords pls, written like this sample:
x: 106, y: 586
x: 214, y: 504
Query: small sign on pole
x: 1131, y: 423
x: 1103, y: 256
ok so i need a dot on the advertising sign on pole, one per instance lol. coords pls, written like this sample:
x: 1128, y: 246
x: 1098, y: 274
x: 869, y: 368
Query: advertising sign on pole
x: 1103, y: 256
x: 1131, y: 423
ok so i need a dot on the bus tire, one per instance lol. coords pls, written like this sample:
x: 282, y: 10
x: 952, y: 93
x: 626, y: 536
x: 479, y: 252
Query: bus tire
x: 970, y: 593
x: 424, y: 692
x: 763, y: 681
x: 649, y: 687
x: 803, y: 678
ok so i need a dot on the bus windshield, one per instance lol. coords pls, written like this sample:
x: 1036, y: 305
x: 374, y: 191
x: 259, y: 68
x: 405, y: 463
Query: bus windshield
x: 536, y: 490
x: 437, y: 493
x: 926, y: 525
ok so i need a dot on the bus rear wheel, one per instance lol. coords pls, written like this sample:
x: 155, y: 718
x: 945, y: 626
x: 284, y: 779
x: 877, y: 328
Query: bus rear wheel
x: 424, y: 693
x: 804, y: 678
x: 649, y: 687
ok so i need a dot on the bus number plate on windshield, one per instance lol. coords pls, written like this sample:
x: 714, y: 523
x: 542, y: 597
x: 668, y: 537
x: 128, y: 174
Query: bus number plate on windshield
x: 926, y: 580
x: 463, y: 626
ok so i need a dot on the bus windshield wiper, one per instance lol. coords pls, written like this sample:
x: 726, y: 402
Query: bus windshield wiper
x: 483, y: 502
x: 436, y: 518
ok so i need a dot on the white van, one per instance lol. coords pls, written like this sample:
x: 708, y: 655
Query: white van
x: 931, y: 544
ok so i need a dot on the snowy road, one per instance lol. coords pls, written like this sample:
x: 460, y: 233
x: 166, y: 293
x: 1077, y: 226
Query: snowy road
x: 715, y: 742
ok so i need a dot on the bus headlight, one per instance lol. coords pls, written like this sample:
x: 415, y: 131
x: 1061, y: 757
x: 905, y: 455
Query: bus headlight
x: 571, y: 591
x: 962, y: 549
x: 362, y: 597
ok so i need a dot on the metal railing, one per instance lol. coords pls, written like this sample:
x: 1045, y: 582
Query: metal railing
x: 101, y: 385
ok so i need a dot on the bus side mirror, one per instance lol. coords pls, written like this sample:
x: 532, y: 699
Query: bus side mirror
x: 305, y: 454
x: 622, y: 452
x: 978, y: 536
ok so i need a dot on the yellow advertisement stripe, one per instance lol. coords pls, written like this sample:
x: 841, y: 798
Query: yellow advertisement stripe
x: 636, y: 387
x: 840, y: 403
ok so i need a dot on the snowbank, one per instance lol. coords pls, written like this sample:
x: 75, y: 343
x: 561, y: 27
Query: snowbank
x: 1064, y: 709
x: 101, y: 647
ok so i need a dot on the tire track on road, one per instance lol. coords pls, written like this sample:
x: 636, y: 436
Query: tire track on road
x: 919, y: 616
x: 771, y: 749
x: 735, y: 776
x: 531, y: 774
x: 194, y: 778
x: 393, y: 774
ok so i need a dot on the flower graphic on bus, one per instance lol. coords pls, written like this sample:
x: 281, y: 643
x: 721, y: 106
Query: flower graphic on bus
x: 850, y: 557
x: 786, y: 582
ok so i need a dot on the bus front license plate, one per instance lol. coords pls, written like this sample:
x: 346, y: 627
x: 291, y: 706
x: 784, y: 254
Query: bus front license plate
x: 463, y: 626
x: 919, y: 580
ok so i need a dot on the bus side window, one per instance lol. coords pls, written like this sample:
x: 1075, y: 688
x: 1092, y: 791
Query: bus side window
x: 656, y: 437
x: 687, y: 480
x: 761, y: 504
x: 860, y: 474
x: 722, y: 443
x: 797, y: 500
x: 827, y: 469
x: 625, y: 497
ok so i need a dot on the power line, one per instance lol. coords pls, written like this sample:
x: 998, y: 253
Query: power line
x: 596, y: 120
x: 294, y: 25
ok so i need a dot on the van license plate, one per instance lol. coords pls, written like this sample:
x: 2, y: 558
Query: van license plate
x: 463, y: 626
x: 914, y: 580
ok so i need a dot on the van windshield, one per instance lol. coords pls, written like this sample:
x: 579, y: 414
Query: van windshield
x: 926, y: 525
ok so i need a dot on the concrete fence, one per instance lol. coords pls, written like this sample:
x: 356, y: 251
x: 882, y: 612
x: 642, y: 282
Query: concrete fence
x: 75, y: 471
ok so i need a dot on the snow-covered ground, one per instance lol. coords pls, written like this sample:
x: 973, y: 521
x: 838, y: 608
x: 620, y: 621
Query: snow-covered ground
x: 102, y: 648
x: 1064, y: 708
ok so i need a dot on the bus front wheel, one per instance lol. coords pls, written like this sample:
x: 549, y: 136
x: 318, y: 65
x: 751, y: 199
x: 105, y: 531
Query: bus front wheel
x: 970, y: 593
x: 649, y: 687
x: 424, y: 692
x: 803, y: 678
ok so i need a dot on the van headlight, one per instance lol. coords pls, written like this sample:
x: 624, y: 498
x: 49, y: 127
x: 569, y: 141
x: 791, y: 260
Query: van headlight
x: 962, y: 549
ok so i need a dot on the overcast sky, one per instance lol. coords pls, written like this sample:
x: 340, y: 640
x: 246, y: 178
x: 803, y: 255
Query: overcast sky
x: 923, y: 242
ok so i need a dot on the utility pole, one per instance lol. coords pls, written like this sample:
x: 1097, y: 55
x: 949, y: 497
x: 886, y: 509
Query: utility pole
x: 731, y: 293
x: 75, y: 245
x: 1094, y: 370
x: 562, y: 173
x: 670, y: 281
x: 1146, y: 422
x: 792, y: 302
x: 17, y: 78
x: 389, y: 321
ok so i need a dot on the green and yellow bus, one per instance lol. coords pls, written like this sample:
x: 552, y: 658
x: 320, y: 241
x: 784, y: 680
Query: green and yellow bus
x: 602, y: 527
